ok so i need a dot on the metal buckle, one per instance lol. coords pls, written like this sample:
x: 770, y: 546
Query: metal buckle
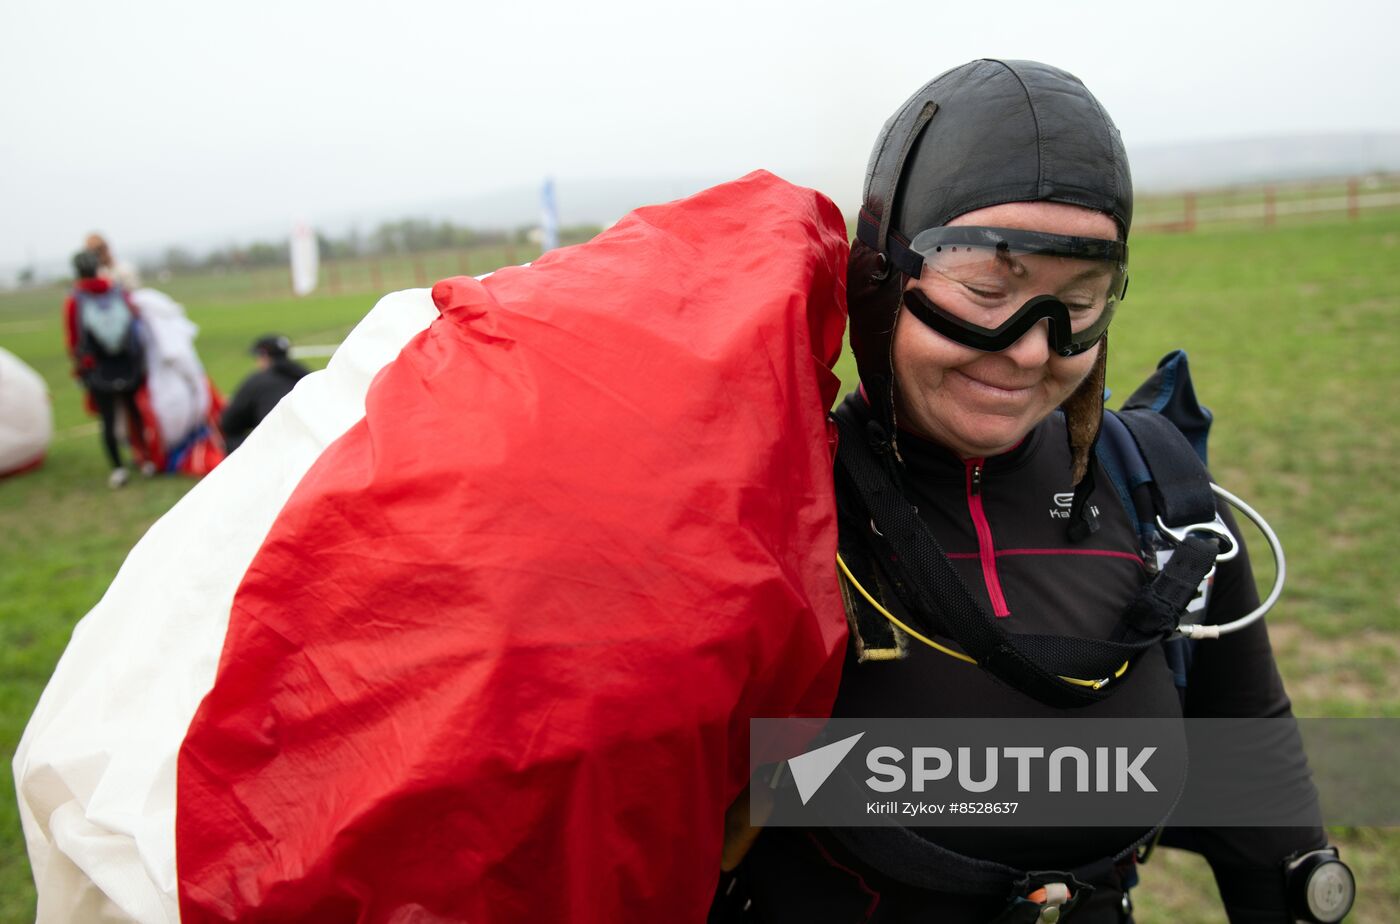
x: 1215, y: 528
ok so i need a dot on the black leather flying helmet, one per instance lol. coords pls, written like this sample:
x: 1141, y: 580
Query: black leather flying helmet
x: 983, y: 134
x: 987, y: 133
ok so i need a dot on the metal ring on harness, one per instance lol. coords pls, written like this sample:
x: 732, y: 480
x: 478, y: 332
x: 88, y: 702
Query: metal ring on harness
x: 1215, y: 528
x: 1280, y: 569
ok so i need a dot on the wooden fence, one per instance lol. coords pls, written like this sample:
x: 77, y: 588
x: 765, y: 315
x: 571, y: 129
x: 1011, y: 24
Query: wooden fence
x: 1266, y: 204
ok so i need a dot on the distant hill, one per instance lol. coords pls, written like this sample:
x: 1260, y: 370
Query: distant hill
x: 1206, y: 164
x: 581, y: 201
x: 1156, y: 168
x: 601, y: 201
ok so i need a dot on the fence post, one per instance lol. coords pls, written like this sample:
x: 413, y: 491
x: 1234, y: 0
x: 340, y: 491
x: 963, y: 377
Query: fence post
x: 1189, y: 223
x: 1353, y: 199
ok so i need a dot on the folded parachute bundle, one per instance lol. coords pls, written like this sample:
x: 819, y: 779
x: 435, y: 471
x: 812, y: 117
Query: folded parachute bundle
x: 179, y: 403
x: 471, y: 628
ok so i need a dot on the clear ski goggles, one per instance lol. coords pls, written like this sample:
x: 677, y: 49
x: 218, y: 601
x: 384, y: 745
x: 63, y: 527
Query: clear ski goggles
x: 985, y: 288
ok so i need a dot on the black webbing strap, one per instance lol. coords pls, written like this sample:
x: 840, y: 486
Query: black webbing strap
x: 904, y: 259
x: 1083, y: 523
x: 895, y: 247
x: 1157, y: 608
x: 1180, y: 486
x: 931, y: 585
x: 876, y: 633
x: 904, y: 856
x: 1181, y: 495
x: 928, y: 584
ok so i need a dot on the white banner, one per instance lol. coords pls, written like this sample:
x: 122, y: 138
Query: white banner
x: 306, y: 262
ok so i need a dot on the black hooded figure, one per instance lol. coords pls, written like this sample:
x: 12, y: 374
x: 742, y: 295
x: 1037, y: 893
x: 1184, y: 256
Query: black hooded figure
x: 991, y: 457
x: 276, y: 376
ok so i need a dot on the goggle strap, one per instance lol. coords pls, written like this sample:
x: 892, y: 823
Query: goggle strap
x: 902, y: 258
x: 896, y: 248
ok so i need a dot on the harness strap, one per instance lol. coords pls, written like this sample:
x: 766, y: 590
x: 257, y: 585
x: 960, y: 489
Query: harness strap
x: 926, y: 582
x: 1180, y: 487
x: 1127, y: 471
x: 1157, y: 471
x: 875, y: 636
x: 1157, y: 608
x: 904, y: 856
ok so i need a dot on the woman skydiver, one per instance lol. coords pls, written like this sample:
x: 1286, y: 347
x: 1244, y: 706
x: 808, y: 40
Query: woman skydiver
x: 991, y: 254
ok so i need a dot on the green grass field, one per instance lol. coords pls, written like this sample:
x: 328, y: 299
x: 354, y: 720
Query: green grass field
x: 1293, y: 334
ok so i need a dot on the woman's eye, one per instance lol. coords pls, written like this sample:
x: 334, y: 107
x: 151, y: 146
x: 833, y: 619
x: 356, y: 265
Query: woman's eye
x: 982, y: 291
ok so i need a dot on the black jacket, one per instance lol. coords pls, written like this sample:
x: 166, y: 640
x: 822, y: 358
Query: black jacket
x: 1002, y: 522
x: 256, y: 398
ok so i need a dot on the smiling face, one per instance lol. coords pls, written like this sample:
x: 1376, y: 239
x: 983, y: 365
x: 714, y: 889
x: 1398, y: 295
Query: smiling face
x: 979, y: 404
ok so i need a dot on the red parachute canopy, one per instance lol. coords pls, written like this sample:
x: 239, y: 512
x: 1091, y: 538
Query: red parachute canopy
x: 496, y: 658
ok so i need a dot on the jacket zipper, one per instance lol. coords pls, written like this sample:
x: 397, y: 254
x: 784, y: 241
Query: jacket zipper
x: 985, y: 548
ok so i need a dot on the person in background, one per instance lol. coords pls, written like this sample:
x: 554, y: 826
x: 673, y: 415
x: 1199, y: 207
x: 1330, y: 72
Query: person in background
x: 110, y: 268
x: 101, y: 327
x: 277, y: 374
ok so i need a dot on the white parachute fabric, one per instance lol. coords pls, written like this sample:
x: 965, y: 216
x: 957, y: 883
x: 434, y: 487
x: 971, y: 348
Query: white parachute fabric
x: 26, y: 417
x: 175, y: 377
x: 95, y: 770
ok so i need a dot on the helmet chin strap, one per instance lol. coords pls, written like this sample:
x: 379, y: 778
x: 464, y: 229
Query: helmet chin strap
x: 1084, y: 413
x: 1083, y: 419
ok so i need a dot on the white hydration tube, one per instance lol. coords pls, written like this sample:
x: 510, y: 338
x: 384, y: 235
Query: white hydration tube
x: 1200, y: 631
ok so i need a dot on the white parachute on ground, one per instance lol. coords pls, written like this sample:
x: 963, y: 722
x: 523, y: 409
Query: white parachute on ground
x: 175, y: 378
x: 26, y: 418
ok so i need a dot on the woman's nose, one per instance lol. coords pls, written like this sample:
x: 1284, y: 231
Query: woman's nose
x: 1033, y: 348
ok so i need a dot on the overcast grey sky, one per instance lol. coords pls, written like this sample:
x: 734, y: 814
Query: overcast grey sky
x: 161, y: 122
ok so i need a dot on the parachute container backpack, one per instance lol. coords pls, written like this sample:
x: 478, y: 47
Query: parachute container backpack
x: 472, y: 627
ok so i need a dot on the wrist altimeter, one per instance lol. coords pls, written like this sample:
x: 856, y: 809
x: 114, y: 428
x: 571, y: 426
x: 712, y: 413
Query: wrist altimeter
x: 1320, y: 886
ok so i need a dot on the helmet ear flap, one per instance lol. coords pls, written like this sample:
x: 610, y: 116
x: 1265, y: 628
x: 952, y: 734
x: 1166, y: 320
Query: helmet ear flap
x: 1084, y: 414
x: 871, y: 284
x: 873, y: 292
